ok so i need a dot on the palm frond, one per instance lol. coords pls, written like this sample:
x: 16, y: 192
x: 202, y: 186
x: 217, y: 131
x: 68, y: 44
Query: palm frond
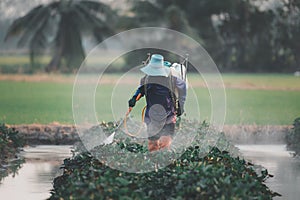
x: 37, y: 46
x: 39, y: 41
x: 38, y: 21
x: 20, y: 24
x: 99, y: 27
x: 81, y: 20
x: 59, y: 26
x: 68, y: 41
x: 147, y: 11
x: 98, y: 7
x: 89, y: 17
x: 73, y: 51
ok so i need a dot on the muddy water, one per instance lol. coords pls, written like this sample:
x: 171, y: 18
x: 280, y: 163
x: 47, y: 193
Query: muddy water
x: 34, y: 179
x: 278, y: 161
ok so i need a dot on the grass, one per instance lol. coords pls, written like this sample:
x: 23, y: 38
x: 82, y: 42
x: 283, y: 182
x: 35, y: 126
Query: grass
x: 21, y: 63
x: 263, y: 81
x: 29, y: 102
x: 271, y: 99
x: 25, y: 59
x: 262, y: 107
x: 14, y: 60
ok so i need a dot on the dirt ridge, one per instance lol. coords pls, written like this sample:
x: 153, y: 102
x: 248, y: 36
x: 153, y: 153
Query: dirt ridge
x: 62, y: 134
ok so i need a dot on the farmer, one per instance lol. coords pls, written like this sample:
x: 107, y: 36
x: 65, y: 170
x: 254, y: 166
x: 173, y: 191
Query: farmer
x: 158, y: 85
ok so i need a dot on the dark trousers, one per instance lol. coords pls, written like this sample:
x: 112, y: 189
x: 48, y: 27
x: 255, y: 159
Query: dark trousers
x: 166, y: 130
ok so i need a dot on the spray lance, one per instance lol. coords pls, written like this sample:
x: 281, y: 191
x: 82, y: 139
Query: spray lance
x: 110, y: 138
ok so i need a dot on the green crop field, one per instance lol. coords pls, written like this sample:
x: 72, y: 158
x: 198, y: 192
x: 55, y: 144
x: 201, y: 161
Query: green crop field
x: 10, y: 64
x: 250, y: 99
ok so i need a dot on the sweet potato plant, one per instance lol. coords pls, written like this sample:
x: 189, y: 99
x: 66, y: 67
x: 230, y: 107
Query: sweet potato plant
x: 196, y: 174
x: 10, y: 143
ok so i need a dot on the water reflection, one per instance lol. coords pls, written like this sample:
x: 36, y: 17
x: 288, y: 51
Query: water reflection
x: 278, y: 161
x: 34, y: 179
x: 10, y: 167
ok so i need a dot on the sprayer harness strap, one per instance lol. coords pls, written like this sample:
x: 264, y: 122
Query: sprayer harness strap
x: 171, y: 89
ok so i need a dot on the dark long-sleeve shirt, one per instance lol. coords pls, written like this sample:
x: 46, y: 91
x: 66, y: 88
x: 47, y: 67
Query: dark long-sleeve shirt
x: 161, y: 94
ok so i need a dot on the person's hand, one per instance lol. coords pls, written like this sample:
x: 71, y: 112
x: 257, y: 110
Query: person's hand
x: 179, y: 111
x: 132, y: 102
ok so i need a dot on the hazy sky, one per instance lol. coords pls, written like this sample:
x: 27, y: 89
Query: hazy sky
x: 17, y: 8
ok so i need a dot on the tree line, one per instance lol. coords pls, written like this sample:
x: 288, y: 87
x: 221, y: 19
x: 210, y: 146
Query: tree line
x: 240, y: 35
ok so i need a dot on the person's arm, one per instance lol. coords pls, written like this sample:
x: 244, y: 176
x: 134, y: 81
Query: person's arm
x: 140, y: 92
x: 181, y: 87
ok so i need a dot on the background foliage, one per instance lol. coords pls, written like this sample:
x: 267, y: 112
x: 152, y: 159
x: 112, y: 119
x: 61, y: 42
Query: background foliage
x: 240, y: 35
x: 10, y: 143
x: 293, y: 138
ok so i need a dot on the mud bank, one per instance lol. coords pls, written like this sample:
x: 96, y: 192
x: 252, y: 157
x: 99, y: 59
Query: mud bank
x: 57, y: 134
x: 51, y: 134
x: 255, y: 134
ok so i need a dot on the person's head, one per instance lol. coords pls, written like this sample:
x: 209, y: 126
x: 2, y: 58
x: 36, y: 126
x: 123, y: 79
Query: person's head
x: 156, y: 66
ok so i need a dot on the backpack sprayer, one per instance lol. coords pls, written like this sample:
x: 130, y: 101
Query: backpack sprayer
x: 178, y: 70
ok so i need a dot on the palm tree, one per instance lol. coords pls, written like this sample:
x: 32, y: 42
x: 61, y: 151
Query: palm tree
x: 167, y: 13
x: 59, y: 26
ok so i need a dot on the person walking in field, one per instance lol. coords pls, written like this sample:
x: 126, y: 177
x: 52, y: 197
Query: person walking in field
x: 163, y: 106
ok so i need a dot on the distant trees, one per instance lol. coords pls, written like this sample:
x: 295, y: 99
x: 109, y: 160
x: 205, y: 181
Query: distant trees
x: 245, y: 36
x: 257, y: 40
x: 287, y: 35
x: 239, y: 34
x: 59, y: 26
x: 167, y: 13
